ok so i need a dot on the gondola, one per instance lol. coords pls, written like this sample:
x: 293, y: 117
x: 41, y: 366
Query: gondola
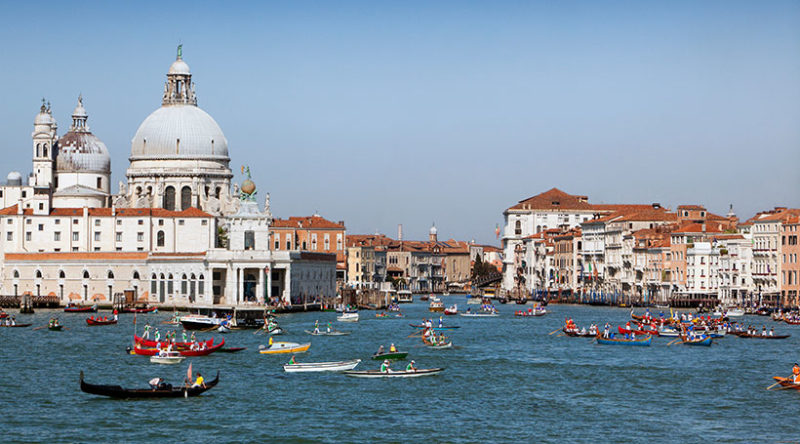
x: 95, y: 322
x: 140, y: 310
x: 745, y: 335
x: 80, y: 309
x: 392, y: 356
x: 168, y: 391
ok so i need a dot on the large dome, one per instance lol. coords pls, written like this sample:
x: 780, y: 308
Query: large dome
x: 82, y: 152
x: 179, y: 132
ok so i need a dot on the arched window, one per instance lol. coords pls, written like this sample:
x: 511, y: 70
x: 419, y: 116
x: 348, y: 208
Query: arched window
x: 201, y: 285
x: 85, y: 274
x: 62, y: 275
x: 518, y: 228
x: 169, y: 198
x: 44, y: 151
x: 38, y: 149
x: 16, y: 274
x: 153, y: 284
x: 186, y: 197
x: 183, y: 284
x: 38, y: 274
x: 170, y: 284
x: 136, y: 276
x: 160, y: 239
x: 110, y: 274
x: 193, y: 284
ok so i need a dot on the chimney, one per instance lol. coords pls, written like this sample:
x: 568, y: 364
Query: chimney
x: 656, y: 205
x: 399, y: 232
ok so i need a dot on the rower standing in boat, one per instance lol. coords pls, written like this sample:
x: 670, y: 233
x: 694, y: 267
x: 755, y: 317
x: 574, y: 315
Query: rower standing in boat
x: 329, y: 327
x: 116, y: 315
x: 772, y: 331
x: 316, y: 327
x: 157, y: 335
x: 146, y: 334
x: 192, y: 338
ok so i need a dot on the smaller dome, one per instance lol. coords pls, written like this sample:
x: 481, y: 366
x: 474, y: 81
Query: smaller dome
x: 14, y: 178
x: 82, y: 152
x: 434, y: 230
x: 179, y: 67
x: 80, y: 111
x: 43, y: 118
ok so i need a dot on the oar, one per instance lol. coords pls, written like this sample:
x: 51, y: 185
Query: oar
x: 551, y: 333
x: 39, y: 328
x: 559, y: 335
x: 777, y: 383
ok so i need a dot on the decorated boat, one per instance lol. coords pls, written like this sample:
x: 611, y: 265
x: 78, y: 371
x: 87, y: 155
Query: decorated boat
x: 347, y: 317
x: 645, y: 341
x: 166, y: 391
x: 702, y: 341
x: 394, y: 374
x: 98, y: 321
x: 202, y: 351
x: 392, y: 356
x: 284, y: 347
x: 451, y: 310
x: 167, y: 358
x: 328, y: 333
x: 149, y: 343
x: 74, y: 308
x: 336, y: 366
x: 626, y: 331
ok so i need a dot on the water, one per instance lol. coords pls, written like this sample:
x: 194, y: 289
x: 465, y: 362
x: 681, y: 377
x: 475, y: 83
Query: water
x: 506, y: 381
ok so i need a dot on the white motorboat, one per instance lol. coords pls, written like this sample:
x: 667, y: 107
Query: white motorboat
x: 394, y: 374
x: 199, y: 322
x: 347, y: 317
x: 668, y: 332
x: 731, y: 313
x: 172, y: 357
x: 337, y: 366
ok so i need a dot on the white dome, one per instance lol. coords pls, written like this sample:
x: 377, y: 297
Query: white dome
x: 82, y: 151
x: 43, y: 118
x: 14, y: 178
x: 179, y: 67
x: 179, y: 132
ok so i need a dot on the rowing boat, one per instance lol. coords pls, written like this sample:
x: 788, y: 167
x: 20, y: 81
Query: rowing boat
x: 16, y: 325
x: 138, y: 350
x: 579, y: 333
x: 80, y: 309
x: 285, y: 347
x: 394, y: 374
x: 392, y: 356
x: 148, y: 343
x: 706, y: 341
x: 55, y: 327
x: 786, y: 382
x: 479, y: 315
x: 452, y: 327
x: 328, y: 333
x: 439, y: 346
x: 336, y: 366
x: 622, y: 341
x: 626, y: 331
x: 116, y: 391
x: 97, y: 322
x: 745, y: 335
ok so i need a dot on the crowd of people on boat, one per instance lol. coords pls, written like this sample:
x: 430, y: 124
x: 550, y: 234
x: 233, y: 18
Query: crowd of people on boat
x: 429, y: 337
x: 10, y: 321
x: 53, y: 323
x: 316, y: 327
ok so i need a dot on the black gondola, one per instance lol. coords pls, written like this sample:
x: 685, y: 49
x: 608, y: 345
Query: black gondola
x: 168, y: 391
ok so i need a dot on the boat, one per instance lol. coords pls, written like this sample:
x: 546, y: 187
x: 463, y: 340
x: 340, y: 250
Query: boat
x: 668, y: 332
x: 223, y: 329
x: 645, y: 341
x: 451, y: 310
x: 285, y: 347
x: 746, y: 335
x: 152, y: 309
x: 392, y: 356
x: 521, y: 301
x: 382, y: 315
x: 97, y: 321
x: 480, y: 315
x: 70, y: 308
x: 328, y: 333
x: 424, y: 297
x: 405, y: 297
x: 55, y: 327
x: 731, y: 313
x: 436, y: 305
x: 138, y: 350
x: 786, y: 382
x: 347, y: 317
x: 3, y: 314
x: 167, y: 391
x: 442, y: 328
x: 394, y: 374
x: 172, y: 357
x: 626, y: 331
x: 703, y: 341
x: 142, y: 342
x: 336, y: 366
x: 439, y: 346
x: 199, y: 322
x: 531, y: 312
x: 15, y: 325
x: 231, y: 349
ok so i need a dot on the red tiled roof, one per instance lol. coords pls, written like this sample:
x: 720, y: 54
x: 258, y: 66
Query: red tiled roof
x: 554, y: 199
x: 306, y: 222
x: 691, y: 207
x: 120, y: 212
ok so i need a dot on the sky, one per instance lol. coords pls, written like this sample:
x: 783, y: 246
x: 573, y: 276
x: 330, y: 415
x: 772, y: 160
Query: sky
x: 387, y: 113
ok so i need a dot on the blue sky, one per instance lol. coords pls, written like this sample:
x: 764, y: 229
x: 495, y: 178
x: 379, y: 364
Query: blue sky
x: 379, y: 113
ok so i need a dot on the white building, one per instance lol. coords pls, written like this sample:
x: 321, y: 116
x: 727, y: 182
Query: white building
x: 175, y: 235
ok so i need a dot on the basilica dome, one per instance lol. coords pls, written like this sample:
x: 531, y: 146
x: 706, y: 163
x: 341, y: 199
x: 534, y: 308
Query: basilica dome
x: 179, y: 131
x: 79, y: 150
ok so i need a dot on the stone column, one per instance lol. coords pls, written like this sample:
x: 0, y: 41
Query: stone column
x: 239, y: 285
x: 269, y: 283
x: 260, y: 286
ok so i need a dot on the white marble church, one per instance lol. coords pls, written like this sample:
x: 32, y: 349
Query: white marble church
x: 176, y: 234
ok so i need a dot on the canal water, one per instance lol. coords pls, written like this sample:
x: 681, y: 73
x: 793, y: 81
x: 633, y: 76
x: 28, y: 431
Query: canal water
x: 507, y: 380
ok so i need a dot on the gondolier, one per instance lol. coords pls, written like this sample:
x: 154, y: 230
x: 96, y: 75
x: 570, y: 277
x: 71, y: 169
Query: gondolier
x: 157, y: 335
x: 146, y: 333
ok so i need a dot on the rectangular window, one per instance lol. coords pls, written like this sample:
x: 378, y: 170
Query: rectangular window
x: 97, y: 236
x: 58, y: 221
x: 181, y: 221
x: 119, y: 221
x: 41, y: 227
x: 204, y: 223
x: 57, y: 236
x: 201, y: 286
x: 249, y: 240
x: 170, y: 286
x: 141, y: 222
x: 140, y: 236
x: 140, y: 249
x: 28, y: 236
x: 96, y: 248
x: 41, y: 206
x: 277, y: 245
x: 76, y: 236
x: 119, y: 236
x: 119, y: 248
x: 99, y: 183
x: 97, y: 222
x: 9, y: 236
x: 74, y: 221
x: 28, y: 221
x: 74, y: 249
x: 160, y: 222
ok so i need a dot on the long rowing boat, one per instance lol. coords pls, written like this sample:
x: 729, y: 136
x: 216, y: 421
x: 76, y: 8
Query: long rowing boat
x: 394, y: 374
x: 97, y: 322
x: 706, y: 341
x: 336, y: 366
x: 138, y: 350
x: 442, y: 328
x: 16, y: 325
x: 115, y: 391
x: 328, y: 333
x: 622, y: 341
x: 148, y: 343
x: 745, y: 335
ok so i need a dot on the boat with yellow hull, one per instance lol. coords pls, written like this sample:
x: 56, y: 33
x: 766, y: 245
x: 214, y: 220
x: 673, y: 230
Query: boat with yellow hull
x: 285, y: 347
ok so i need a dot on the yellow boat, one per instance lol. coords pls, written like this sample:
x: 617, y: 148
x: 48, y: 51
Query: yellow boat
x: 285, y: 347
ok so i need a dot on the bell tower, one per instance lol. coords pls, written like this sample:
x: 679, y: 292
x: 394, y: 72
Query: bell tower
x: 45, y: 145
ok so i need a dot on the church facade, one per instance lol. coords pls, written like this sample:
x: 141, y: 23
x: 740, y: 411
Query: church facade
x: 177, y: 233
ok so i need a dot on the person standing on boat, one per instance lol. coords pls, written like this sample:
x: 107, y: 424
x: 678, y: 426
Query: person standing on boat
x: 183, y: 336
x: 441, y: 322
x: 606, y: 329
x: 772, y: 331
x: 411, y: 367
x: 157, y: 335
x: 385, y: 366
x: 316, y: 327
x: 146, y: 334
x: 116, y: 315
x: 192, y: 338
x: 796, y: 373
x: 329, y: 326
x: 13, y: 320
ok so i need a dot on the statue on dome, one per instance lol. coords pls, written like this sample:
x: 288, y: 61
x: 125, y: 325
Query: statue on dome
x: 248, y: 187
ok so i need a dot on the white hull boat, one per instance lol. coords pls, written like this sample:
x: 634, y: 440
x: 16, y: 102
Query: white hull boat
x: 479, y: 315
x: 170, y: 358
x: 448, y: 345
x: 327, y: 333
x: 338, y: 366
x: 348, y: 317
x: 394, y: 374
